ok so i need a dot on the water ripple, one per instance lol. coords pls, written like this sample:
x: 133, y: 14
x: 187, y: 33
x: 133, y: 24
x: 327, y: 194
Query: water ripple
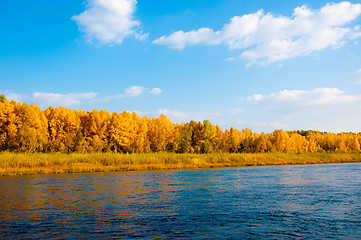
x: 284, y: 202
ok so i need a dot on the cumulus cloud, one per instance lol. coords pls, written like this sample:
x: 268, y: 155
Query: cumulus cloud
x: 156, y: 91
x: 265, y: 38
x: 134, y: 91
x: 57, y: 99
x: 109, y: 21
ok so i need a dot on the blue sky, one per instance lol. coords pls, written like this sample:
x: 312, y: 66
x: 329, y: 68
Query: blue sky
x: 262, y: 65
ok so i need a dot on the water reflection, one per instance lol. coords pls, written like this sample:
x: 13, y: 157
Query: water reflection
x: 317, y: 201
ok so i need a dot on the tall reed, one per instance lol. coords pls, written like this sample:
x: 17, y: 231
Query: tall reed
x: 44, y: 163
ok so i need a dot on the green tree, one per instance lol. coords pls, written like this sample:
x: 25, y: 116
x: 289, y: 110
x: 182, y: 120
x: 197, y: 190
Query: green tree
x: 183, y: 140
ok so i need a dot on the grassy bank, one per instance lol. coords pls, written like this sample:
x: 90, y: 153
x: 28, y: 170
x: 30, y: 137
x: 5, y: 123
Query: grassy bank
x: 40, y: 163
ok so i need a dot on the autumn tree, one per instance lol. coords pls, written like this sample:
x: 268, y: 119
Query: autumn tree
x: 209, y: 132
x: 119, y: 132
x: 26, y: 128
x: 296, y: 143
x: 217, y: 138
x: 141, y: 141
x: 161, y: 134
x: 93, y: 128
x: 262, y: 144
x: 247, y: 141
x: 64, y: 129
x: 8, y: 125
x: 183, y: 139
x: 352, y: 142
x: 279, y: 140
x: 312, y: 142
x: 32, y: 134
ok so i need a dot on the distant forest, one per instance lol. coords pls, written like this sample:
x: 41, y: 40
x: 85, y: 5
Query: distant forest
x: 26, y: 128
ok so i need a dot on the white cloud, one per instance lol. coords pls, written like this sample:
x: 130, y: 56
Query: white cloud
x: 156, y: 91
x: 134, y: 91
x: 264, y: 38
x: 109, y: 21
x: 324, y: 109
x: 57, y: 99
x: 179, y: 40
x: 174, y: 114
x: 46, y: 99
x: 317, y: 96
x: 13, y: 96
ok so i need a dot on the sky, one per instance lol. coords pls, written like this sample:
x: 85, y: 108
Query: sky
x: 262, y: 65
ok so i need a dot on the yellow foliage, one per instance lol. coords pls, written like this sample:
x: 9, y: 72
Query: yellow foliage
x: 26, y: 128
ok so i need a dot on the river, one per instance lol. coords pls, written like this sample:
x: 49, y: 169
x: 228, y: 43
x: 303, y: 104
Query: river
x: 280, y: 202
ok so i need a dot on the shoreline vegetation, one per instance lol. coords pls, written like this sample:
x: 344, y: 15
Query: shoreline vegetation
x: 60, y: 140
x: 28, y: 129
x: 55, y: 163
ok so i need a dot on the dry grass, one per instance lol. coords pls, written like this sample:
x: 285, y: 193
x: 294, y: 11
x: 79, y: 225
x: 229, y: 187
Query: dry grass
x: 43, y: 163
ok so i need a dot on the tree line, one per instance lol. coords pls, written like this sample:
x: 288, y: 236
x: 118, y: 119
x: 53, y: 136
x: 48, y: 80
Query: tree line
x: 27, y: 128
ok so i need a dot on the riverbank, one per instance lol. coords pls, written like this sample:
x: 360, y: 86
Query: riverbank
x: 49, y: 163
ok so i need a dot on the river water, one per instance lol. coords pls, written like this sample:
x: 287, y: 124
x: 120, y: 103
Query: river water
x: 282, y: 202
